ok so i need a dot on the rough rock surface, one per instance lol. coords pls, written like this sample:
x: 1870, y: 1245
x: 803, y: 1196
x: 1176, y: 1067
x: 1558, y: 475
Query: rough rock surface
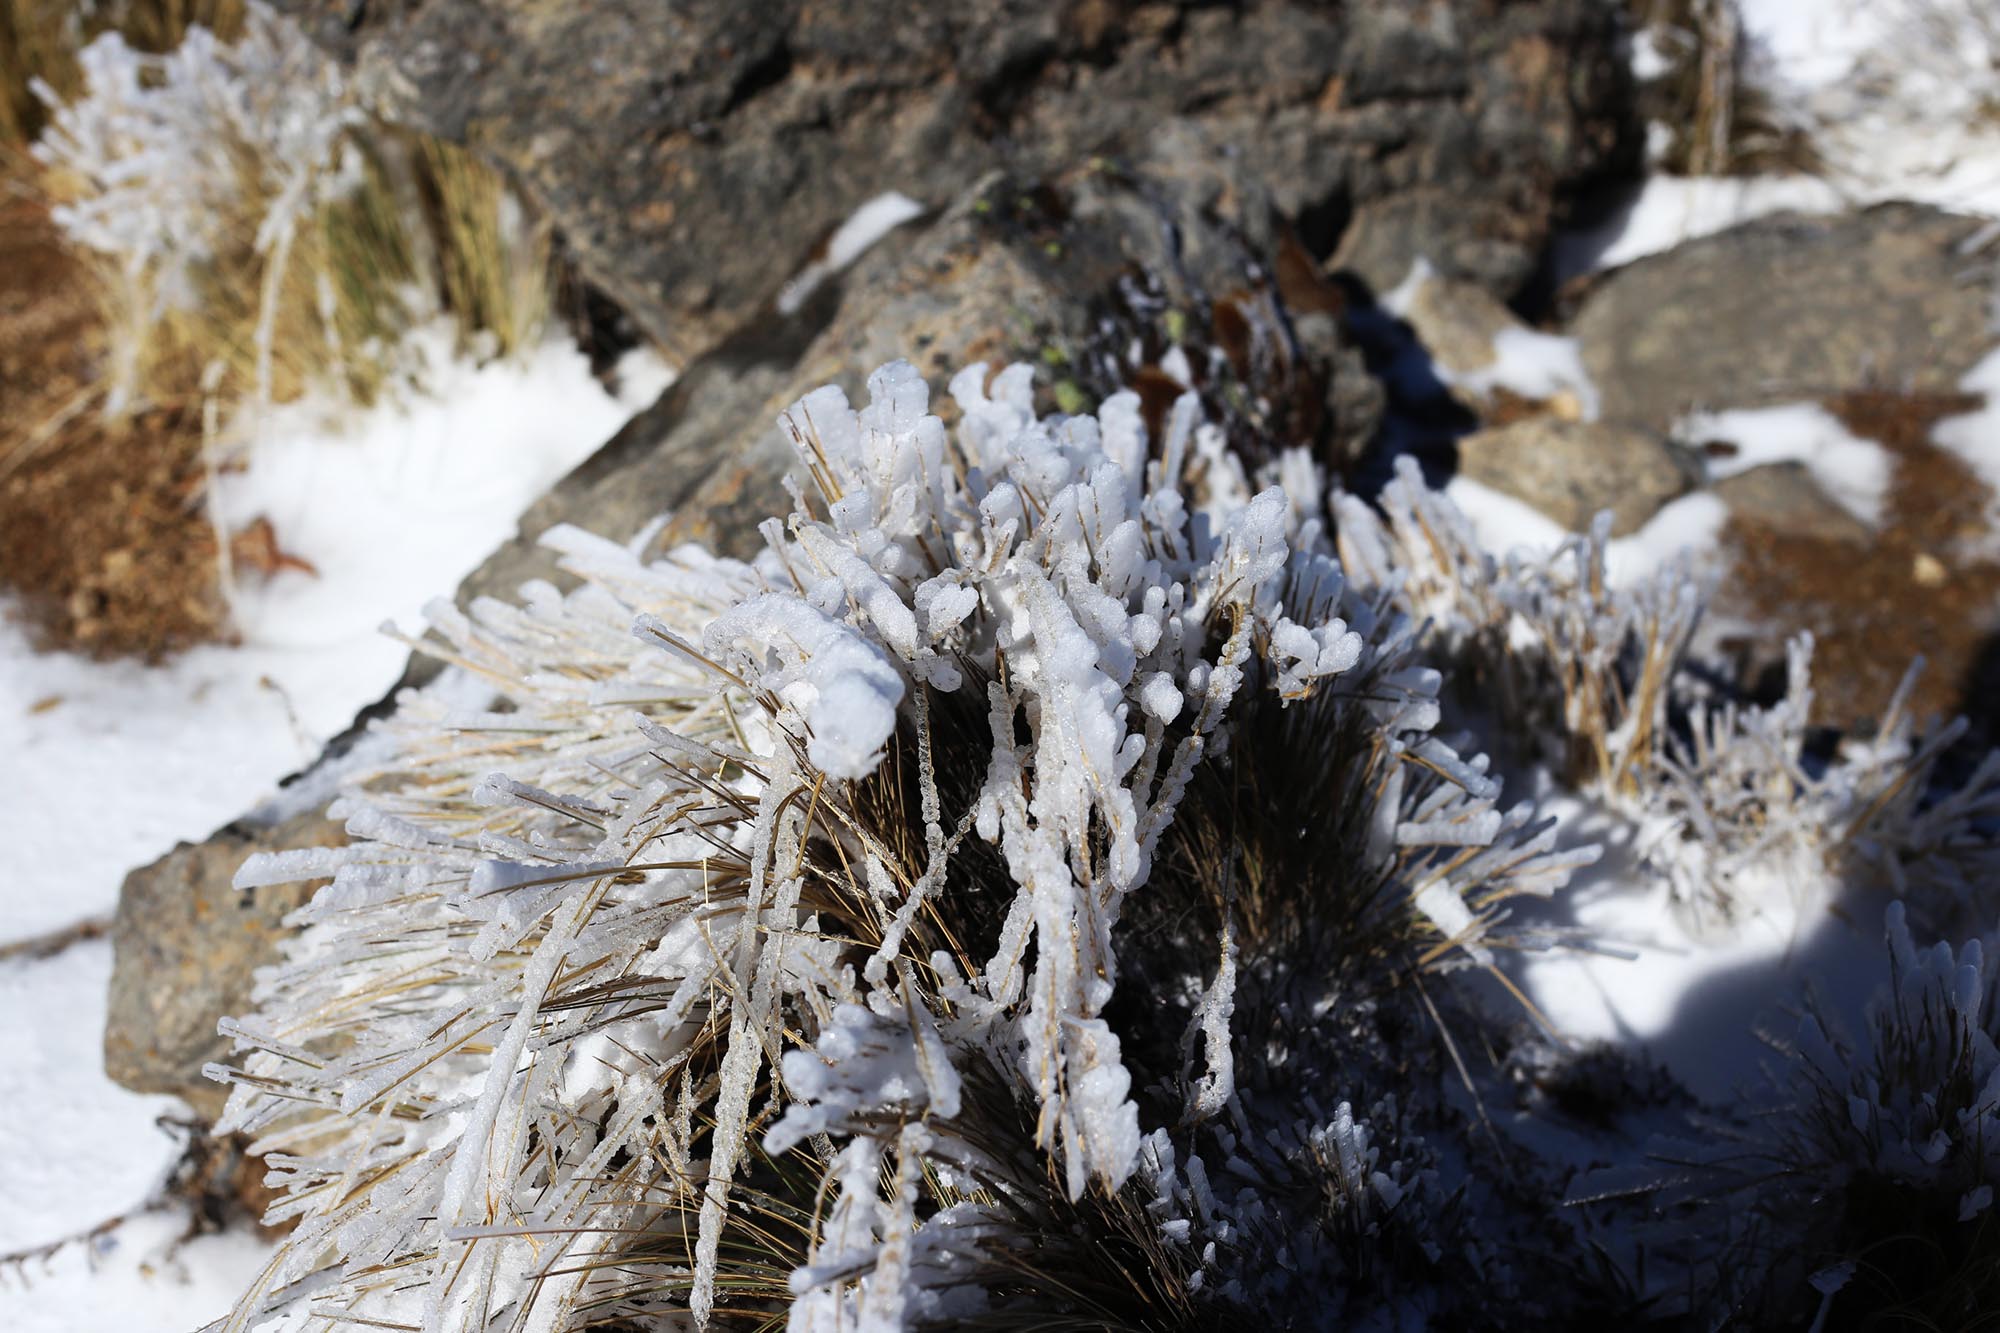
x: 1072, y: 272
x: 1788, y: 308
x: 1570, y: 470
x: 693, y: 156
x: 1783, y: 498
x: 184, y: 947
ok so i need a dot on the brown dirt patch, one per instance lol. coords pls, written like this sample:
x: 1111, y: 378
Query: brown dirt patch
x: 103, y: 539
x: 1911, y: 591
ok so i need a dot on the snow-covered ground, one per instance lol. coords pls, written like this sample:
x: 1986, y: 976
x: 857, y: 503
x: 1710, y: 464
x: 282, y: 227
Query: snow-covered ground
x: 391, y: 507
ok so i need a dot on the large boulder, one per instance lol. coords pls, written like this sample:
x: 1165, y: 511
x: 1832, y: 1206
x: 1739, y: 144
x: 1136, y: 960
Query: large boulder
x: 1788, y: 308
x: 1093, y: 274
x: 694, y: 156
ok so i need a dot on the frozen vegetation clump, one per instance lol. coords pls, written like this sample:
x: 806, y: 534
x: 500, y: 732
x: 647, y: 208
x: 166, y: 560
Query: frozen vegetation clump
x: 165, y: 157
x: 1861, y: 1190
x: 874, y: 934
x: 1592, y: 680
x: 1895, y: 1145
x: 256, y: 233
x: 1037, y: 890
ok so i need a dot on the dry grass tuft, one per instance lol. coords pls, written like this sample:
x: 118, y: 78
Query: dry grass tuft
x: 1722, y: 123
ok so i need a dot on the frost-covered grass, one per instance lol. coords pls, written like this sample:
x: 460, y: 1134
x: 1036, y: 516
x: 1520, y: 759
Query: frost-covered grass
x: 1036, y: 890
x: 40, y: 41
x: 255, y: 233
x: 892, y: 792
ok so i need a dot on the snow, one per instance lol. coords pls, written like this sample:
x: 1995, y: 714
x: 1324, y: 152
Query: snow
x: 1854, y: 473
x: 1686, y: 528
x: 1695, y: 1004
x: 1668, y: 210
x: 1526, y: 362
x: 392, y: 507
x: 77, y: 1146
x: 850, y: 240
x: 1895, y: 96
x: 1536, y: 366
x: 138, y: 1275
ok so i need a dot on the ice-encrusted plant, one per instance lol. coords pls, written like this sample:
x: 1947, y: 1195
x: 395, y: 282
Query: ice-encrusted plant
x: 1577, y: 671
x: 1594, y: 680
x: 1874, y: 1168
x: 164, y: 156
x: 1742, y: 808
x: 723, y: 940
x: 256, y: 233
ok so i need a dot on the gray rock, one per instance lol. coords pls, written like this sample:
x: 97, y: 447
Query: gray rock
x: 1783, y: 498
x: 694, y: 155
x: 1069, y: 272
x: 184, y: 947
x: 1570, y: 470
x: 1787, y: 308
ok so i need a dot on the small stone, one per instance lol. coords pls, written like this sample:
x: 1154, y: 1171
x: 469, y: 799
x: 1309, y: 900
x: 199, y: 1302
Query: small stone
x: 1929, y: 571
x: 1571, y: 470
x: 185, y: 943
x: 1783, y: 499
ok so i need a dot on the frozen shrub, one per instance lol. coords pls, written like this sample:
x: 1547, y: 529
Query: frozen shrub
x: 855, y: 934
x: 252, y: 226
x: 1575, y: 672
x: 1593, y: 680
x: 169, y: 161
x: 1888, y: 1158
x: 1741, y: 810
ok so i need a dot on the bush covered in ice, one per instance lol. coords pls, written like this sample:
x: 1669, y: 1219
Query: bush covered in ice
x: 1595, y: 681
x: 709, y: 890
x: 252, y: 224
x: 1035, y: 890
x: 167, y: 159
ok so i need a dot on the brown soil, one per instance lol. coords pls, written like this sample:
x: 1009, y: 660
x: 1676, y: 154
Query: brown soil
x: 1911, y: 591
x: 103, y: 540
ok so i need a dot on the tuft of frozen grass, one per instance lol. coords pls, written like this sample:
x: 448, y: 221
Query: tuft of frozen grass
x: 1873, y: 1173
x: 171, y: 161
x: 255, y: 232
x: 1740, y: 808
x: 1591, y: 678
x: 707, y: 881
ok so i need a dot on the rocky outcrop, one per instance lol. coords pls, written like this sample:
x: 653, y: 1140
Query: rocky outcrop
x: 1789, y: 308
x: 695, y: 155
